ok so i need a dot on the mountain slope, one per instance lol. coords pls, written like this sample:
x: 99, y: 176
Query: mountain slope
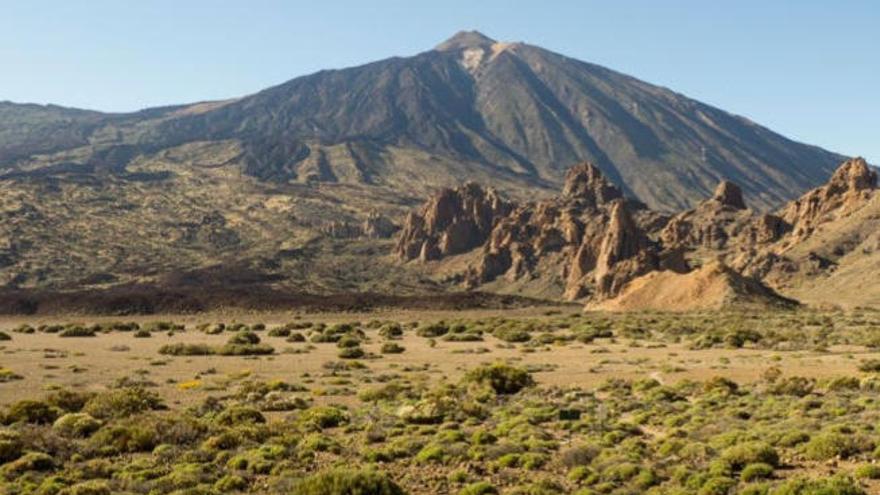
x: 513, y: 109
x: 511, y: 113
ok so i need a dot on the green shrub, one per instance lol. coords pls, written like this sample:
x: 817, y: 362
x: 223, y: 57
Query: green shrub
x: 244, y: 338
x: 347, y: 482
x: 793, y: 438
x: 351, y: 353
x: 837, y: 485
x: 32, y: 461
x: 739, y: 456
x: 7, y: 375
x: 31, y: 411
x: 230, y: 483
x: 90, y: 487
x: 832, y: 444
x: 432, y: 330
x: 279, y: 332
x: 121, y: 438
x: 25, y: 328
x: 77, y: 331
x: 431, y: 453
x: 392, y: 348
x: 238, y: 415
x: 245, y: 350
x: 581, y: 455
x: 121, y: 403
x: 324, y: 417
x: 391, y: 331
x: 870, y: 365
x: 5, y: 336
x: 479, y: 488
x: 11, y: 446
x: 718, y: 485
x: 181, y: 349
x: 502, y: 378
x: 797, y: 386
x: 756, y: 471
x: 868, y: 471
x: 348, y: 341
x: 143, y: 333
x: 76, y: 425
x: 511, y: 334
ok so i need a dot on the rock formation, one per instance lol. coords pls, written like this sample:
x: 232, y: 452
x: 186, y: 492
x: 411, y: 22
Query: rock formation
x: 375, y: 226
x: 592, y: 243
x: 452, y: 222
x: 722, y: 223
x: 588, y: 232
x: 849, y: 188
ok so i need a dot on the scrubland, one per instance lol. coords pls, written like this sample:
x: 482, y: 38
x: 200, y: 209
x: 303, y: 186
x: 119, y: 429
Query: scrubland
x: 540, y: 401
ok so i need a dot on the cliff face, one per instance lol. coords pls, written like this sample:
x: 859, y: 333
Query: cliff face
x: 598, y: 242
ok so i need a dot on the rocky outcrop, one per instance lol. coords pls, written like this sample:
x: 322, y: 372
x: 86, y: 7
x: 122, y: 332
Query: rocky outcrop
x: 729, y: 195
x: 584, y: 182
x: 592, y: 243
x: 375, y: 226
x: 378, y: 226
x: 452, y: 222
x: 850, y: 187
x: 588, y: 235
x: 722, y: 223
x: 625, y: 253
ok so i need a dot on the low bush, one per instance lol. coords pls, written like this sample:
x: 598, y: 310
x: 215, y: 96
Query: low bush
x: 181, y: 349
x: 833, y: 444
x: 432, y: 330
x: 122, y: 403
x: 870, y: 365
x: 31, y: 411
x: 501, y: 378
x: 245, y: 350
x: 392, y: 348
x: 324, y: 417
x: 77, y: 331
x: 347, y: 482
x: 479, y: 488
x: 741, y: 455
x: 76, y: 425
x: 244, y: 338
x: 511, y: 334
x: 351, y: 353
x: 279, y: 332
x: 756, y: 471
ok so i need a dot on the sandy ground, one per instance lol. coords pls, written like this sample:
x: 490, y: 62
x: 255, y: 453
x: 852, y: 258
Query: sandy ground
x: 46, y: 361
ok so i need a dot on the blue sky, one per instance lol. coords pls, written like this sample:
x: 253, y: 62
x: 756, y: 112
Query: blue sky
x: 808, y: 69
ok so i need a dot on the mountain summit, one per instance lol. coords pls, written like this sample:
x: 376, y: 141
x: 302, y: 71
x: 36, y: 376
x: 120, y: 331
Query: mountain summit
x: 465, y: 39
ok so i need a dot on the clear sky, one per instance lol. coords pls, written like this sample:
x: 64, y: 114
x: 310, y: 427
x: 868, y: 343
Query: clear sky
x: 808, y: 69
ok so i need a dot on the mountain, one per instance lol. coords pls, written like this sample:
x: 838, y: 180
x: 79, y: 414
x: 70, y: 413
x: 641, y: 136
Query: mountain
x: 509, y: 114
x: 303, y: 184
